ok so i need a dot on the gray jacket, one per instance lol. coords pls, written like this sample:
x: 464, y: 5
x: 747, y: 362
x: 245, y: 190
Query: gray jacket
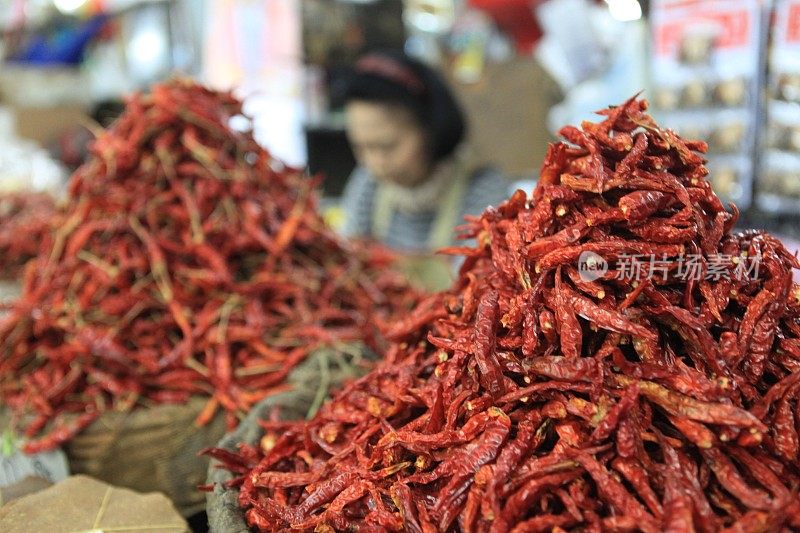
x: 411, y: 231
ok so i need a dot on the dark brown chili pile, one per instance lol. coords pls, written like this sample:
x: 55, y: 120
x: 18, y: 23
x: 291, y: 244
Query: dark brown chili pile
x: 533, y: 398
x: 25, y: 224
x: 189, y: 262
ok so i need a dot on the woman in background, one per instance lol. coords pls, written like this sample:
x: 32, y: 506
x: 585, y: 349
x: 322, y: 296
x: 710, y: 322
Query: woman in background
x: 415, y: 180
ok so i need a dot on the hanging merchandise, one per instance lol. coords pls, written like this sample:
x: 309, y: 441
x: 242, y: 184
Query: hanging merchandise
x: 426, y: 22
x: 469, y: 41
x: 433, y: 16
x: 778, y: 188
x: 148, y: 50
x: 623, y: 73
x: 574, y: 52
x: 64, y: 47
x: 516, y: 18
x: 706, y: 60
x: 256, y: 47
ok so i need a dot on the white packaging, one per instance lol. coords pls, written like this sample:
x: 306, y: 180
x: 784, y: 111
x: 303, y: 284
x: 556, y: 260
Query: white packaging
x: 706, y: 72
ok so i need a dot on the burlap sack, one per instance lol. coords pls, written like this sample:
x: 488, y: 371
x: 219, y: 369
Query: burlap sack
x: 80, y: 504
x: 313, y: 382
x: 149, y: 450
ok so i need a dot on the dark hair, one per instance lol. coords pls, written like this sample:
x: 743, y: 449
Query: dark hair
x: 396, y: 79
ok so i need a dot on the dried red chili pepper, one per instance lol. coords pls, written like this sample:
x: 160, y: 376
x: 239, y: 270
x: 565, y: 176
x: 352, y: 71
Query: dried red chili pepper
x: 666, y: 404
x: 27, y: 222
x: 485, y: 324
x: 187, y: 263
x: 570, y: 332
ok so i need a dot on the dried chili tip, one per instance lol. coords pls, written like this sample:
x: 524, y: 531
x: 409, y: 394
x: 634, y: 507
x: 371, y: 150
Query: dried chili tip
x: 704, y: 443
x: 555, y: 410
x: 484, y: 475
x: 423, y: 462
x: 392, y: 456
x: 329, y: 432
x: 268, y: 442
x: 393, y: 469
x: 306, y: 457
x: 208, y: 487
x: 454, y: 304
x: 374, y: 407
x: 750, y: 438
x: 524, y: 279
x: 728, y: 434
x: 484, y: 239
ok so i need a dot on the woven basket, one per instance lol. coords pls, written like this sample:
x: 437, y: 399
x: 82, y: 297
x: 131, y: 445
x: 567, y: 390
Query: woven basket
x: 313, y: 380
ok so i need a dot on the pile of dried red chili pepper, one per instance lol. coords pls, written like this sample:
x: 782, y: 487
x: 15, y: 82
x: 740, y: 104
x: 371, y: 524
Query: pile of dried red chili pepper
x: 545, y: 392
x: 25, y: 224
x: 189, y: 262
